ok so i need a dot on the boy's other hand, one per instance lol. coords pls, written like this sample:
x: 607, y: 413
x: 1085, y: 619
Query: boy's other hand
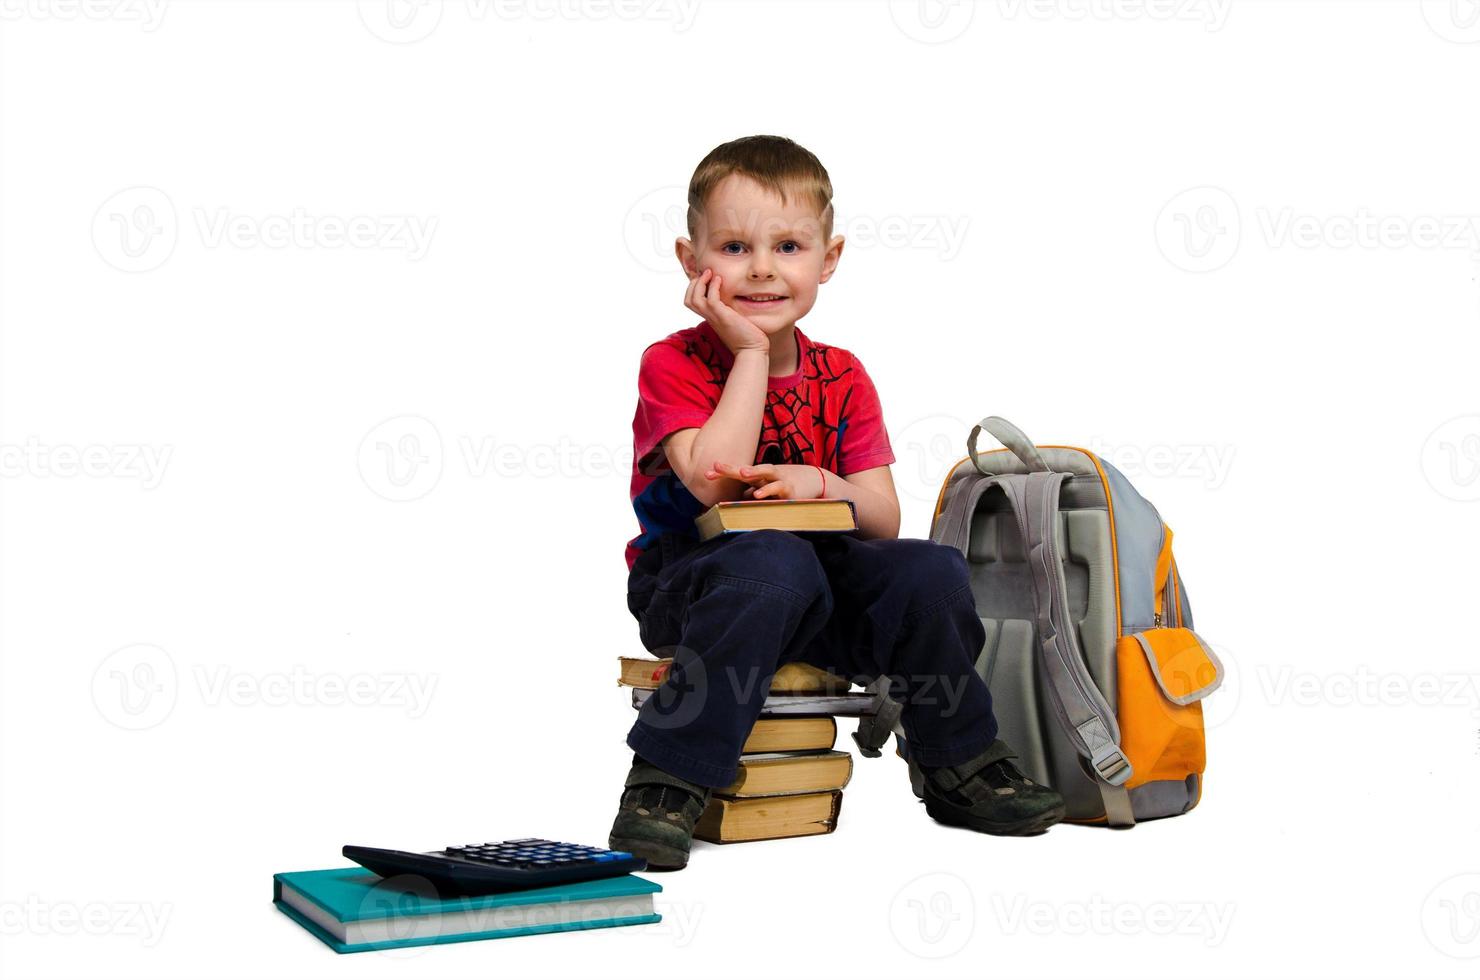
x: 738, y: 333
x: 770, y: 481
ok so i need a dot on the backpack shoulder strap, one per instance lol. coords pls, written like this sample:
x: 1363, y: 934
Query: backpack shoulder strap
x: 1088, y: 720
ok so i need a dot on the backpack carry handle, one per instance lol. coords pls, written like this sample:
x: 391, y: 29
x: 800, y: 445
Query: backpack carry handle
x: 1010, y: 436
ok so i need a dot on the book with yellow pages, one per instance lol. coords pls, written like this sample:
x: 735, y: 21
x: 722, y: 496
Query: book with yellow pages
x: 821, y: 514
x: 796, y: 734
x: 796, y: 677
x: 727, y: 821
x: 783, y: 773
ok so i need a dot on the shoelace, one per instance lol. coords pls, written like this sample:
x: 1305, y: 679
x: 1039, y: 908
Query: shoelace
x: 660, y: 799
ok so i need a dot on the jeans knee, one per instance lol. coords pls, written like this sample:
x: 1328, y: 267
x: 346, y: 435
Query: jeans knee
x: 932, y: 571
x: 777, y: 558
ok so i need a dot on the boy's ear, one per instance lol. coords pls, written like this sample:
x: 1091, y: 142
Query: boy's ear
x: 830, y: 260
x: 684, y: 249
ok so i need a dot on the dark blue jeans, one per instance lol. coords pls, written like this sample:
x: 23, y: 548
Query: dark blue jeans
x: 730, y: 610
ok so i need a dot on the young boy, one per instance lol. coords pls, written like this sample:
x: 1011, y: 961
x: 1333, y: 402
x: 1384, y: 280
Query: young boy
x: 746, y: 406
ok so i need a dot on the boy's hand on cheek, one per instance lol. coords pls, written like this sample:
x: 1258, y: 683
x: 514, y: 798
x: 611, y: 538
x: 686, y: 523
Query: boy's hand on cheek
x: 769, y: 481
x: 736, y: 331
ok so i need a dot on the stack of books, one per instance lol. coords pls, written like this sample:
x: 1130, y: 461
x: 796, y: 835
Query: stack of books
x: 791, y: 778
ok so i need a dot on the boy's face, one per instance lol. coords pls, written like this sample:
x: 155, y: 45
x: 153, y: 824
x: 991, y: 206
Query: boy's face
x: 760, y: 247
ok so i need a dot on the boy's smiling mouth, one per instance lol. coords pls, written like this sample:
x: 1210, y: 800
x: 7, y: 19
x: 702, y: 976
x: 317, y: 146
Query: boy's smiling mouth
x: 761, y: 299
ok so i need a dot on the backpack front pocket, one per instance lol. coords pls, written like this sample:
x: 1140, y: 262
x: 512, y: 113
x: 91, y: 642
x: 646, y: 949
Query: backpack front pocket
x: 1162, y: 676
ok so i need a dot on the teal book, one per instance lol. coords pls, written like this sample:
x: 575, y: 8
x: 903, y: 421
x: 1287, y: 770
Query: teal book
x: 353, y: 910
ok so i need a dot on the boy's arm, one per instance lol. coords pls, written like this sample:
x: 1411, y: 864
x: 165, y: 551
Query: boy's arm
x: 872, y: 492
x: 732, y: 432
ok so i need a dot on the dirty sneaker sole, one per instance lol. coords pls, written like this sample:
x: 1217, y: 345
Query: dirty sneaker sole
x: 1027, y: 827
x: 659, y: 857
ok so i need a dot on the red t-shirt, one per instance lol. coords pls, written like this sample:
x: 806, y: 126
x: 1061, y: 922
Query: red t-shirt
x: 826, y: 413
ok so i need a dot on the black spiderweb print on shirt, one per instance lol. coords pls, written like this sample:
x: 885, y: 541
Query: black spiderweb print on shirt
x: 793, y: 424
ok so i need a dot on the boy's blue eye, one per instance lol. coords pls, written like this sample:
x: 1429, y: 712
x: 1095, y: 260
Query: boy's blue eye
x: 727, y: 245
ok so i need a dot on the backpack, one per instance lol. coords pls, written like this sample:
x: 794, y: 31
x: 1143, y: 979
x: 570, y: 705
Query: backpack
x: 1096, y: 675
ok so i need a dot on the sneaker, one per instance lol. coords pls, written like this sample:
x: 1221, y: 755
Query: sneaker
x: 656, y: 818
x: 990, y: 794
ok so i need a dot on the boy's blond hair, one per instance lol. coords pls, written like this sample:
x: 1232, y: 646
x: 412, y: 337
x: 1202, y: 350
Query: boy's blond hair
x: 776, y: 163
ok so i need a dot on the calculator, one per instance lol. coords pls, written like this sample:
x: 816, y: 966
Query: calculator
x: 498, y: 866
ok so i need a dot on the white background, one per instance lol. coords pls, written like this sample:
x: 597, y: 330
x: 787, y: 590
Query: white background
x: 1227, y: 245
